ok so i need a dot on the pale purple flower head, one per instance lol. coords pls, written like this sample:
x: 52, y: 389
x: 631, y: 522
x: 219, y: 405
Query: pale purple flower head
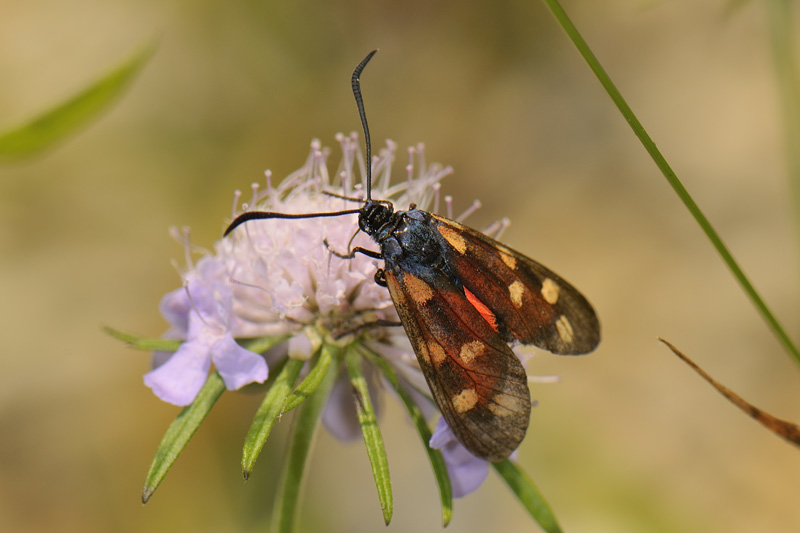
x: 277, y: 277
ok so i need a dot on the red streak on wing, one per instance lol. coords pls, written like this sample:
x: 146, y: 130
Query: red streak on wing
x: 487, y: 315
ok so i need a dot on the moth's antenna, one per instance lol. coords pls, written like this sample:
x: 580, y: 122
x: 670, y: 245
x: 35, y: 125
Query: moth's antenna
x: 356, y: 84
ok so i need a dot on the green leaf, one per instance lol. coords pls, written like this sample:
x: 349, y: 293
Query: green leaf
x: 180, y: 432
x: 284, y: 513
x: 435, y: 456
x: 262, y: 344
x: 307, y: 387
x: 648, y: 144
x: 143, y: 343
x: 371, y: 432
x: 68, y: 117
x: 269, y: 411
x: 533, y: 501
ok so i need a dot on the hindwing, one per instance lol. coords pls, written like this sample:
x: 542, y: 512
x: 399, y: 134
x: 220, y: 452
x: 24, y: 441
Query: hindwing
x: 523, y: 299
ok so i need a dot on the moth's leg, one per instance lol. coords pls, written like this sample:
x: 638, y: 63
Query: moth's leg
x: 366, y: 325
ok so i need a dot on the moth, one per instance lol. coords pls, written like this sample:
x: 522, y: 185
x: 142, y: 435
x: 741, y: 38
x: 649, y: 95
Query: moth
x: 462, y: 298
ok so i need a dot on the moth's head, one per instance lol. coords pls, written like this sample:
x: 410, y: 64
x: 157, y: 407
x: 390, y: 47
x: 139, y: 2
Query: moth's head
x: 373, y: 216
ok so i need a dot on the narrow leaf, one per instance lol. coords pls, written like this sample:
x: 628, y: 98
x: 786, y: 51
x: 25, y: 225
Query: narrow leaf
x: 305, y: 425
x: 310, y: 383
x: 70, y: 116
x: 180, y: 432
x: 435, y: 456
x: 782, y: 428
x: 143, y: 343
x: 530, y: 497
x: 661, y: 162
x: 269, y: 411
x: 371, y: 432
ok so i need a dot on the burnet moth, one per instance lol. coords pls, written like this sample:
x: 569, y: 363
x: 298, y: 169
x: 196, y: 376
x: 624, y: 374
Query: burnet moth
x: 462, y: 297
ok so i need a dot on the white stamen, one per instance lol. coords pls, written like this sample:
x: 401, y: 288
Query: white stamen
x: 436, y: 190
x: 234, y: 281
x: 268, y: 176
x: 544, y: 379
x: 254, y: 187
x: 448, y: 202
x: 237, y: 195
x: 476, y: 204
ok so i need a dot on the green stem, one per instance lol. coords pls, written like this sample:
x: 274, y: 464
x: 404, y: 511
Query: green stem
x: 305, y: 425
x: 673, y: 180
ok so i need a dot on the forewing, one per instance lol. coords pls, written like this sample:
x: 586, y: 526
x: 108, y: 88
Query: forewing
x: 528, y: 301
x: 478, y: 383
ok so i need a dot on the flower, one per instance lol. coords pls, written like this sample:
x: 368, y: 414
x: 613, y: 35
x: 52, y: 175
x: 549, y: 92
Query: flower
x: 202, y: 314
x: 466, y: 471
x: 278, y: 279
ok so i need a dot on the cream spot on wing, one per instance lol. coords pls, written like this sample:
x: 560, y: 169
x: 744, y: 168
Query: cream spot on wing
x: 509, y: 260
x: 419, y: 291
x: 465, y: 400
x: 455, y: 240
x: 550, y: 290
x: 471, y: 350
x: 437, y: 353
x: 505, y: 405
x: 422, y: 350
x: 565, y: 331
x: 516, y: 290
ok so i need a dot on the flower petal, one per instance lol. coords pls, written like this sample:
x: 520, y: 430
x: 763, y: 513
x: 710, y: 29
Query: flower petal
x: 237, y: 366
x: 175, y: 307
x: 466, y: 471
x: 339, y: 415
x: 180, y: 379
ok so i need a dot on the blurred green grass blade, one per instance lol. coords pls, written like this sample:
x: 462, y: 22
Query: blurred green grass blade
x: 68, y: 117
x: 672, y: 178
x: 180, y: 432
x: 138, y: 342
x: 284, y: 514
x: 309, y: 384
x: 376, y: 452
x: 783, y: 39
x: 435, y: 456
x: 530, y: 497
x: 269, y: 411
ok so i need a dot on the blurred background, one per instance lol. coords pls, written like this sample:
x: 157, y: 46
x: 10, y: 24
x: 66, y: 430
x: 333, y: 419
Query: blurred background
x: 630, y: 439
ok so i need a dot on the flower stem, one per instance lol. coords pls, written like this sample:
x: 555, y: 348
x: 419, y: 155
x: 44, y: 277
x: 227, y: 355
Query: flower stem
x: 672, y: 178
x: 305, y: 425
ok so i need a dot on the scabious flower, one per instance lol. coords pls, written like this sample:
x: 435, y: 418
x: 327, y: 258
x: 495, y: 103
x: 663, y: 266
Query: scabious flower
x: 278, y: 278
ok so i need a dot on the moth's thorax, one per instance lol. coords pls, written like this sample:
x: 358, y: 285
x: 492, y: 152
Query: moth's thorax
x: 409, y: 242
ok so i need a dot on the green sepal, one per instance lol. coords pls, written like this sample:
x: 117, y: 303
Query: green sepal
x: 138, y: 342
x: 68, y: 117
x: 435, y: 456
x: 527, y: 493
x: 180, y: 432
x: 373, y: 440
x: 269, y: 411
x: 310, y: 383
x: 306, y: 422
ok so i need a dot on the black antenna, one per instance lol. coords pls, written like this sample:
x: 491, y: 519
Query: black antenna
x: 354, y: 81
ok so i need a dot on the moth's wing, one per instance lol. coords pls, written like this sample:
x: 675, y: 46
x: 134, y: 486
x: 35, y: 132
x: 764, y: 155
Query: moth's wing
x: 477, y: 381
x: 526, y: 300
